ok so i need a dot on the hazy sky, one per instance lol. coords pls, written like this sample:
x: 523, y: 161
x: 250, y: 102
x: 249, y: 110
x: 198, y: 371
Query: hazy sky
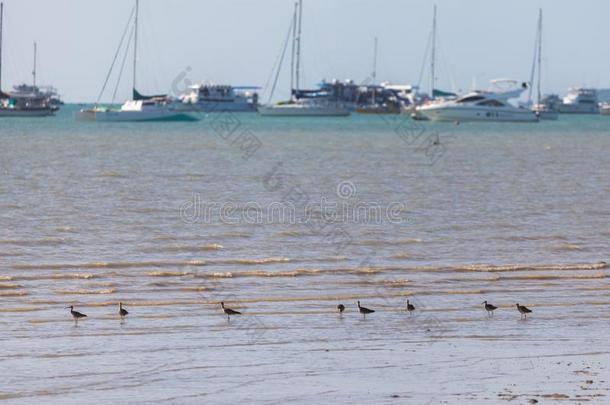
x: 237, y: 41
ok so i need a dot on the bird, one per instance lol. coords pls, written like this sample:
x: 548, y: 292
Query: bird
x: 229, y: 311
x: 75, y: 314
x: 341, y: 308
x: 489, y: 308
x: 123, y: 312
x: 410, y: 307
x: 523, y: 310
x: 364, y: 310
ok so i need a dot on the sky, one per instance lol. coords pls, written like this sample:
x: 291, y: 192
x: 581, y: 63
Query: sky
x: 238, y: 42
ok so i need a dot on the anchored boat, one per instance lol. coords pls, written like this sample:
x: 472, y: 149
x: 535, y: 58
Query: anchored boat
x: 300, y: 104
x: 25, y: 101
x: 207, y: 97
x: 480, y: 106
x: 139, y: 108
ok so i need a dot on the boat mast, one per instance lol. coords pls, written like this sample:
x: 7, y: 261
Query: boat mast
x: 374, y: 75
x: 539, y: 54
x: 294, y: 36
x: 34, y: 70
x: 433, y: 55
x: 298, y: 42
x: 375, y: 62
x: 135, y: 45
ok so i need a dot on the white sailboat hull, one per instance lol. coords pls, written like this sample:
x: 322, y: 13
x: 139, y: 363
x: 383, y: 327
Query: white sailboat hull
x: 132, y: 116
x: 299, y: 110
x: 543, y: 113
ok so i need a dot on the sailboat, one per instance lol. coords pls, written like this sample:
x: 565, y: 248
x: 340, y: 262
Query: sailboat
x: 543, y: 111
x: 140, y: 107
x: 389, y: 105
x: 30, y: 103
x: 299, y: 105
x: 435, y: 95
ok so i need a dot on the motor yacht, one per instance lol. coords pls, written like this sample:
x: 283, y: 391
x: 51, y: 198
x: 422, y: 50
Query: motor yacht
x: 480, y: 105
x: 208, y: 97
x: 580, y: 101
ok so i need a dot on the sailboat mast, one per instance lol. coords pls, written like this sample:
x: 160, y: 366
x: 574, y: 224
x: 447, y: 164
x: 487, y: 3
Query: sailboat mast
x: 374, y: 75
x: 375, y: 62
x: 433, y: 55
x: 1, y: 30
x: 298, y: 63
x: 34, y: 70
x: 539, y: 54
x: 135, y: 44
x: 294, y: 36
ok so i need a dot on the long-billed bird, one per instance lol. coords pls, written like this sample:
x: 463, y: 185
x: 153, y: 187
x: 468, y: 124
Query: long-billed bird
x: 75, y: 314
x: 340, y: 308
x: 410, y: 307
x: 122, y: 311
x: 523, y: 310
x: 489, y: 308
x: 364, y: 310
x: 229, y: 311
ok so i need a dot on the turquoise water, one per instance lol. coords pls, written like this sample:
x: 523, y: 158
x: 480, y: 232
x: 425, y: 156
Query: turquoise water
x: 283, y: 219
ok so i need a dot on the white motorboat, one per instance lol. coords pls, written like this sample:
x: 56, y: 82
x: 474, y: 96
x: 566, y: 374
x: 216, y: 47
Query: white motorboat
x: 486, y: 106
x: 208, y: 97
x: 25, y: 101
x: 580, y: 101
x: 298, y: 107
x: 542, y: 110
x: 140, y: 108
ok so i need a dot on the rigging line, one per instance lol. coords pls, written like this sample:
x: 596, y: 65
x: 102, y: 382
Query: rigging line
x: 115, y: 57
x: 532, y: 72
x: 132, y: 32
x: 445, y: 64
x: 279, y: 68
x: 275, y: 64
x: 423, y: 65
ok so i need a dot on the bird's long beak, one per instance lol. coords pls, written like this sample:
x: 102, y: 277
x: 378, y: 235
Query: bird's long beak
x: 66, y: 307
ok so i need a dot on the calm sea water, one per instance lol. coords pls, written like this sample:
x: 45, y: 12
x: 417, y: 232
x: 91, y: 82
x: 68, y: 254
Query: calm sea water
x: 172, y: 218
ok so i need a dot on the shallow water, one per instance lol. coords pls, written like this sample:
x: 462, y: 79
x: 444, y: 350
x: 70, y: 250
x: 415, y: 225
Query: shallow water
x: 173, y: 218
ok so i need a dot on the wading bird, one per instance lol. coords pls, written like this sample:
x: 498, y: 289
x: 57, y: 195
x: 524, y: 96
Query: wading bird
x: 229, y: 311
x: 489, y: 308
x: 410, y: 307
x: 75, y: 314
x: 123, y: 312
x: 364, y: 310
x: 523, y: 310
